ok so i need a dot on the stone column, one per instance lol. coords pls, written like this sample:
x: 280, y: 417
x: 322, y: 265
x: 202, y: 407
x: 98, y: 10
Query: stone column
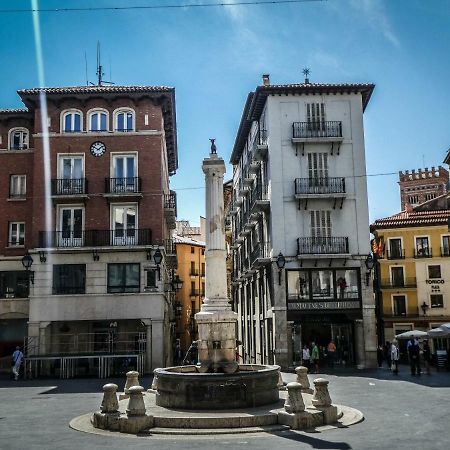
x: 157, y: 342
x: 370, y: 336
x: 43, y: 337
x: 216, y: 321
x: 148, y: 353
x: 280, y: 327
x: 359, y: 344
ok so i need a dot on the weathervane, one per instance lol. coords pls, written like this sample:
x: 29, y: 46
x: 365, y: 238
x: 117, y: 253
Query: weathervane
x: 213, y: 147
x: 306, y: 71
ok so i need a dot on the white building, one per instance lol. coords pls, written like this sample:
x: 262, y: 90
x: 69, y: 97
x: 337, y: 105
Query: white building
x: 299, y: 189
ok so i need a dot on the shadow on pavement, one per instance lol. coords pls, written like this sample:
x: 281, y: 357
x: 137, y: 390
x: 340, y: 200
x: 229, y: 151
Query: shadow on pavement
x: 312, y: 441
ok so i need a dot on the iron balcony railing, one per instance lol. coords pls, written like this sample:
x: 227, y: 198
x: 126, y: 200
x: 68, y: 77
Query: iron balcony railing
x: 319, y: 185
x: 401, y: 283
x: 261, y: 250
x: 423, y: 252
x: 194, y: 272
x: 445, y: 251
x: 95, y: 238
x: 396, y: 254
x: 258, y: 193
x: 69, y: 186
x: 194, y: 293
x: 401, y: 312
x: 317, y: 129
x: 129, y: 185
x: 170, y: 200
x: 322, y: 245
x: 260, y: 139
x: 17, y: 195
x: 69, y: 290
x: 170, y: 247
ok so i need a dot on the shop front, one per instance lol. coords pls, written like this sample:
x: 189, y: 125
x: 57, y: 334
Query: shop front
x: 323, y: 305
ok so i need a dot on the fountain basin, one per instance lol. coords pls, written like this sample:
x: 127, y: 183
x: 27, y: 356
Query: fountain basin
x: 184, y: 387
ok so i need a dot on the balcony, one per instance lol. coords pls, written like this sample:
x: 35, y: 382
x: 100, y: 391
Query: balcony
x: 69, y: 187
x: 123, y: 187
x: 320, y: 187
x: 396, y: 254
x: 399, y: 284
x: 194, y: 292
x: 445, y: 251
x: 95, y: 238
x: 423, y: 252
x: 194, y: 272
x: 402, y: 313
x: 260, y: 255
x: 320, y: 131
x: 322, y: 246
x: 170, y: 209
x: 259, y: 146
x: 259, y: 198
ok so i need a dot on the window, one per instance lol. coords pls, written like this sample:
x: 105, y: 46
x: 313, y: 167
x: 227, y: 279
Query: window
x: 124, y: 174
x: 397, y: 277
x: 434, y: 272
x: 71, y: 224
x: 413, y: 199
x: 318, y: 168
x: 124, y: 224
x: 445, y: 246
x: 395, y: 249
x: 16, y: 234
x: 437, y: 300
x: 71, y: 176
x: 69, y: 279
x: 315, y: 115
x: 193, y: 271
x: 193, y: 288
x: 14, y: 284
x: 71, y: 121
x: 123, y: 278
x: 399, y: 305
x: 17, y: 186
x: 203, y: 269
x: 422, y: 247
x: 203, y: 288
x: 192, y: 250
x: 151, y: 278
x: 203, y: 251
x: 98, y: 120
x: 18, y: 139
x: 430, y: 196
x: 322, y: 284
x: 320, y: 224
x: 124, y: 120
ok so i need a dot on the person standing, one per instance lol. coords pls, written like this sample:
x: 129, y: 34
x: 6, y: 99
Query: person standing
x: 315, y: 357
x: 427, y: 356
x: 331, y: 351
x: 395, y: 356
x: 380, y: 358
x: 387, y: 353
x: 17, y: 357
x: 306, y: 357
x: 414, y: 356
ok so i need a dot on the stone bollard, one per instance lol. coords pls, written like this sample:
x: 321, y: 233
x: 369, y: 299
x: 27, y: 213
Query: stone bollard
x: 154, y: 386
x: 295, y: 415
x: 322, y: 401
x: 136, y: 419
x: 108, y: 417
x: 302, y: 378
x: 132, y: 380
x: 281, y: 383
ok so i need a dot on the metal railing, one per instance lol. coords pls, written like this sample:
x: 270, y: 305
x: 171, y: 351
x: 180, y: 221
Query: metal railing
x: 402, y: 283
x: 411, y: 312
x: 258, y: 193
x: 95, y: 238
x: 396, y: 254
x: 69, y: 186
x: 170, y: 247
x: 194, y: 292
x: 317, y: 129
x: 170, y: 200
x: 17, y: 195
x: 129, y: 185
x: 423, y: 253
x: 261, y: 250
x: 319, y: 185
x: 193, y: 272
x: 445, y: 251
x: 322, y: 245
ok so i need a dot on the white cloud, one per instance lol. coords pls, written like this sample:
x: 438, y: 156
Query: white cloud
x: 375, y: 14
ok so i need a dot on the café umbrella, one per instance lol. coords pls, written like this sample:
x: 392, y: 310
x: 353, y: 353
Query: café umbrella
x: 441, y: 331
x: 412, y: 333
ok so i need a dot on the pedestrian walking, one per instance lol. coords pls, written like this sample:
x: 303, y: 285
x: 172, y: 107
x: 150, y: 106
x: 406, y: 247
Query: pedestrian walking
x: 17, y: 357
x: 427, y: 356
x: 395, y: 356
x: 315, y: 357
x: 387, y: 353
x: 380, y: 355
x: 331, y: 352
x: 306, y: 356
x: 414, y: 356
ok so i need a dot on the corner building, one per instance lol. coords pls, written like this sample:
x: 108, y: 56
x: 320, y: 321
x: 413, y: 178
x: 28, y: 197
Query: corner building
x: 102, y: 257
x: 299, y: 189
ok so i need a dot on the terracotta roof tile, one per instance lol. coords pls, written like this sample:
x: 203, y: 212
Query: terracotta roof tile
x: 412, y: 219
x: 13, y: 111
x: 94, y: 89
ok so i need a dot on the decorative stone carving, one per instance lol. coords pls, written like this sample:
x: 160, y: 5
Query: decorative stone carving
x: 132, y: 380
x: 321, y: 395
x: 302, y: 378
x: 110, y: 403
x: 294, y: 401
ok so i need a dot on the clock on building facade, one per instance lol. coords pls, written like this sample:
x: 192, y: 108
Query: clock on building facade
x: 98, y: 148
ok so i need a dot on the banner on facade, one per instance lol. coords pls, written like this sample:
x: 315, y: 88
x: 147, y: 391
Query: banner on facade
x: 345, y: 304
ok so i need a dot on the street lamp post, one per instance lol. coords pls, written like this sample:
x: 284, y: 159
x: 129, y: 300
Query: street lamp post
x: 27, y: 262
x: 157, y: 257
x: 370, y: 264
x: 424, y: 307
x: 281, y: 262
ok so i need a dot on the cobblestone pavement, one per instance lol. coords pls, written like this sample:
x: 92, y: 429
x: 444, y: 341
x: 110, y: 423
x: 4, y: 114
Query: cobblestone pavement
x: 402, y: 412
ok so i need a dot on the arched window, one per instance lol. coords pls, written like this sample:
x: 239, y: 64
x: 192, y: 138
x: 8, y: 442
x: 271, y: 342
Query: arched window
x: 18, y: 139
x: 124, y: 120
x: 98, y: 120
x: 71, y: 121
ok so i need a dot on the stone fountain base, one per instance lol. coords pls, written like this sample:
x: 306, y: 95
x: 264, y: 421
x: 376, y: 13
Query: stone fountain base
x: 185, y: 387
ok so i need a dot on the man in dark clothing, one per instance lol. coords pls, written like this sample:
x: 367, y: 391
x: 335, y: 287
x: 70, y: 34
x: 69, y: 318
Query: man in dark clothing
x: 414, y: 356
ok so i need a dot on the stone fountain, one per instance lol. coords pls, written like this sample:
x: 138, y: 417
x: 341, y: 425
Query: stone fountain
x: 217, y: 381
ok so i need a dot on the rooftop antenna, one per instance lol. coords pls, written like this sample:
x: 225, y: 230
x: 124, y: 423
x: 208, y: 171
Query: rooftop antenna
x: 100, y: 73
x: 306, y: 71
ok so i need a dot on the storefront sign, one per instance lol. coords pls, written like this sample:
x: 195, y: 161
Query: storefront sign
x: 435, y: 281
x: 324, y: 305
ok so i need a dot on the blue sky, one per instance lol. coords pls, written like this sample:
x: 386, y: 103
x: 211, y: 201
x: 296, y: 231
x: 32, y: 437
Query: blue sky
x: 215, y: 56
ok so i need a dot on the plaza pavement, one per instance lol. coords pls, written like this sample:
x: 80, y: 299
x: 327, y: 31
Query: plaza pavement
x: 402, y: 412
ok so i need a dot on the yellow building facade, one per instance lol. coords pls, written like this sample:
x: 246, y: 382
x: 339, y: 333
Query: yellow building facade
x: 188, y: 300
x: 412, y: 282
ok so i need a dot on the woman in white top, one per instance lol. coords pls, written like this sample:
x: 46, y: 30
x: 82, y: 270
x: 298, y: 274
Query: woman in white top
x: 306, y: 357
x: 395, y: 356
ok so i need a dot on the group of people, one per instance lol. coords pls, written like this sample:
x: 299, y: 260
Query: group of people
x: 391, y: 353
x: 313, y: 355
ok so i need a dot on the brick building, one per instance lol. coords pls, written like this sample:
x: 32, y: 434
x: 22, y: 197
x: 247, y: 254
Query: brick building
x: 97, y: 229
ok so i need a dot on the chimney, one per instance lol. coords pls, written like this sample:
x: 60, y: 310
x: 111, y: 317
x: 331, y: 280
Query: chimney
x: 266, y: 79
